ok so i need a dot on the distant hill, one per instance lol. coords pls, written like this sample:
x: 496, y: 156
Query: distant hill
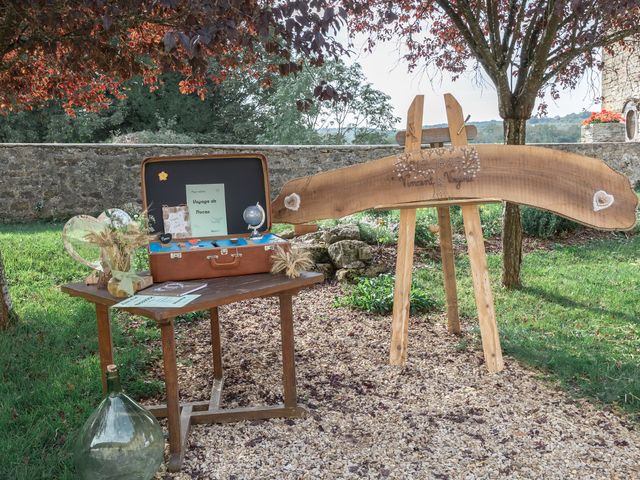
x: 557, y: 129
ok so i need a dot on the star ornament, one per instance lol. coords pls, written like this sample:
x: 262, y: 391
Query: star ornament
x: 163, y: 176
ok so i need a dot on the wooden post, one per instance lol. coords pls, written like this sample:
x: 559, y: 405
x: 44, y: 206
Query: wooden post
x: 448, y: 269
x: 448, y: 259
x: 482, y: 289
x: 406, y: 244
x: 304, y: 228
x: 173, y: 398
x: 105, y: 345
x: 477, y: 255
x: 288, y: 352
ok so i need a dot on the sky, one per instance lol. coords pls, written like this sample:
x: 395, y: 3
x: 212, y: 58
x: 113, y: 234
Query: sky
x: 388, y: 73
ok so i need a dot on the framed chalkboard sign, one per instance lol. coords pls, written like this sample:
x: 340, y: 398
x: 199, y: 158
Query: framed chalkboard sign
x: 205, y: 194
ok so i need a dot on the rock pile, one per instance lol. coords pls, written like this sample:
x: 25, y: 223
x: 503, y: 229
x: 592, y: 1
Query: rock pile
x: 339, y: 251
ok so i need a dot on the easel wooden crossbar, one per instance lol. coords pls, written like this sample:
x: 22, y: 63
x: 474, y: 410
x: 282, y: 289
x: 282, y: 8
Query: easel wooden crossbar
x: 457, y: 135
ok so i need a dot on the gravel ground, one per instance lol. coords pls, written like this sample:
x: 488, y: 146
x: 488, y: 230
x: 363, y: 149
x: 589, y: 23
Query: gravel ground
x: 442, y: 416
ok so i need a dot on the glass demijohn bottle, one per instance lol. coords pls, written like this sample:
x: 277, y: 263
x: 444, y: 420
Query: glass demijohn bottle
x: 120, y: 440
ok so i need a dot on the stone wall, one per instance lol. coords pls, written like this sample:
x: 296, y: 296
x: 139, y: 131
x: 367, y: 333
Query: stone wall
x: 621, y: 86
x: 57, y: 181
x: 602, y: 132
x: 621, y: 77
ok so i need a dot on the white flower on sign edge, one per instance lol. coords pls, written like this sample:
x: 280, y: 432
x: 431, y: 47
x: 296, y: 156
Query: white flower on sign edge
x: 602, y: 200
x: 292, y: 202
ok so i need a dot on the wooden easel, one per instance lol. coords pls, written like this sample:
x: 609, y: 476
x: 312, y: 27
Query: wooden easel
x: 457, y: 135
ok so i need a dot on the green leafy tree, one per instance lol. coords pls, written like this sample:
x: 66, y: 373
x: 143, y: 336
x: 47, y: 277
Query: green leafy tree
x: 350, y: 108
x: 52, y: 124
x: 231, y: 113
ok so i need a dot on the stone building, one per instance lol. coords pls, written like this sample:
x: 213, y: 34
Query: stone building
x: 621, y: 86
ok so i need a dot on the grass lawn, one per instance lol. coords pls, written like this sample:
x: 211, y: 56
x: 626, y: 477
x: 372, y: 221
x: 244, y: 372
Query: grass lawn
x: 578, y: 318
x: 48, y: 363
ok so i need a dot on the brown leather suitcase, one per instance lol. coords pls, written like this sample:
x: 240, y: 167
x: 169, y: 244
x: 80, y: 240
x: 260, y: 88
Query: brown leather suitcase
x: 202, y: 199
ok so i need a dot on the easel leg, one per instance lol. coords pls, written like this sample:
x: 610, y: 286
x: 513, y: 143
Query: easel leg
x: 176, y: 451
x: 402, y: 290
x: 448, y: 269
x: 105, y: 345
x: 288, y: 361
x: 482, y: 289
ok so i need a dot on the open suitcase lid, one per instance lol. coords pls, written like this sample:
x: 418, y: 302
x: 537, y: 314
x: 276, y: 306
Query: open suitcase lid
x: 213, y: 189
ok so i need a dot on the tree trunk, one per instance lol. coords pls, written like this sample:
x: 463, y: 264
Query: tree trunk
x: 514, y: 134
x: 7, y: 316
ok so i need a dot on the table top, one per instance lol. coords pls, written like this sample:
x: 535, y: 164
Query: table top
x: 219, y: 291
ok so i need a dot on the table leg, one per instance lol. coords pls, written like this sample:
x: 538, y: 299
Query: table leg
x: 173, y: 400
x: 216, y: 350
x: 105, y: 345
x: 288, y: 361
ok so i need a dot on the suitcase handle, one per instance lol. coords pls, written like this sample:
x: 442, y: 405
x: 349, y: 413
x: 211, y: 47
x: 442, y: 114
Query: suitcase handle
x: 213, y: 260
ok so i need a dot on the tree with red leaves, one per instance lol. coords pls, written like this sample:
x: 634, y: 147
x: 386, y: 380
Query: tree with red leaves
x: 526, y: 48
x: 80, y: 53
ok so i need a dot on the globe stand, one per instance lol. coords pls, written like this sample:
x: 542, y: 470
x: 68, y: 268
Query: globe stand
x: 255, y: 217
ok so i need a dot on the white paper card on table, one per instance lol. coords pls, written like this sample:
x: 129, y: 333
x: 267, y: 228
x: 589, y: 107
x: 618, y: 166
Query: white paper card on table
x: 155, y: 301
x: 207, y: 209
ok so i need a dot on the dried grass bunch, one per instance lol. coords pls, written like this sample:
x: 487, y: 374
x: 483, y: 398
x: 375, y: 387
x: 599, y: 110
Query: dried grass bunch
x: 291, y: 262
x: 119, y: 239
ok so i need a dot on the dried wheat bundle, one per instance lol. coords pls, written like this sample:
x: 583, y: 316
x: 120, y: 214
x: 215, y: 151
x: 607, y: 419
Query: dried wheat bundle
x: 291, y: 262
x: 118, y: 244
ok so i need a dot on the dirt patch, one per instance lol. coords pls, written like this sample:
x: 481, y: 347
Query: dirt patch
x: 442, y: 416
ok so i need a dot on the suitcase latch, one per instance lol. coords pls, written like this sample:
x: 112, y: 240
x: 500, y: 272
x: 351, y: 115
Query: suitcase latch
x: 223, y: 252
x: 176, y: 255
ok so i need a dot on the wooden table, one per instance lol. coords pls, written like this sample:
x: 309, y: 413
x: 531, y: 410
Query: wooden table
x: 219, y: 291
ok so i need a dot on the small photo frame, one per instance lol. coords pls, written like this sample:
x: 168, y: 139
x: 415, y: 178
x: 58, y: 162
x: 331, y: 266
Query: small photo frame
x: 176, y: 221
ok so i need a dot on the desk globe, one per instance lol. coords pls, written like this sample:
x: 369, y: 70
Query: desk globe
x: 255, y: 216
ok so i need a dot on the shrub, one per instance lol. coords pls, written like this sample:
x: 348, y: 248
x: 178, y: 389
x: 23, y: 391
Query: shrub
x: 376, y: 234
x: 375, y: 295
x: 491, y: 220
x: 165, y: 134
x: 424, y: 236
x: 159, y: 137
x: 543, y: 224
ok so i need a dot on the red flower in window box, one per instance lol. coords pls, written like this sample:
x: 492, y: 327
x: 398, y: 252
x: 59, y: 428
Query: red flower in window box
x: 605, y: 116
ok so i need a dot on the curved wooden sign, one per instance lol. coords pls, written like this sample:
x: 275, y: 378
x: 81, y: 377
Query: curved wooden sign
x: 580, y: 188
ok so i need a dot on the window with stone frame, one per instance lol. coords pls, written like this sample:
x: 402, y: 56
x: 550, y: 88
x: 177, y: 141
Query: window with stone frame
x: 631, y: 119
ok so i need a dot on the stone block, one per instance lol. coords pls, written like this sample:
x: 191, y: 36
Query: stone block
x: 346, y: 252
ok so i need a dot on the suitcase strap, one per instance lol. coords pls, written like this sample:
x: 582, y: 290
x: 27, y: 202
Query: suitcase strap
x: 215, y: 260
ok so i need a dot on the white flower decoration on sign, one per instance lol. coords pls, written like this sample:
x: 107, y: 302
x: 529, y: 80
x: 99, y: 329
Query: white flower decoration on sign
x: 292, y: 202
x: 602, y: 200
